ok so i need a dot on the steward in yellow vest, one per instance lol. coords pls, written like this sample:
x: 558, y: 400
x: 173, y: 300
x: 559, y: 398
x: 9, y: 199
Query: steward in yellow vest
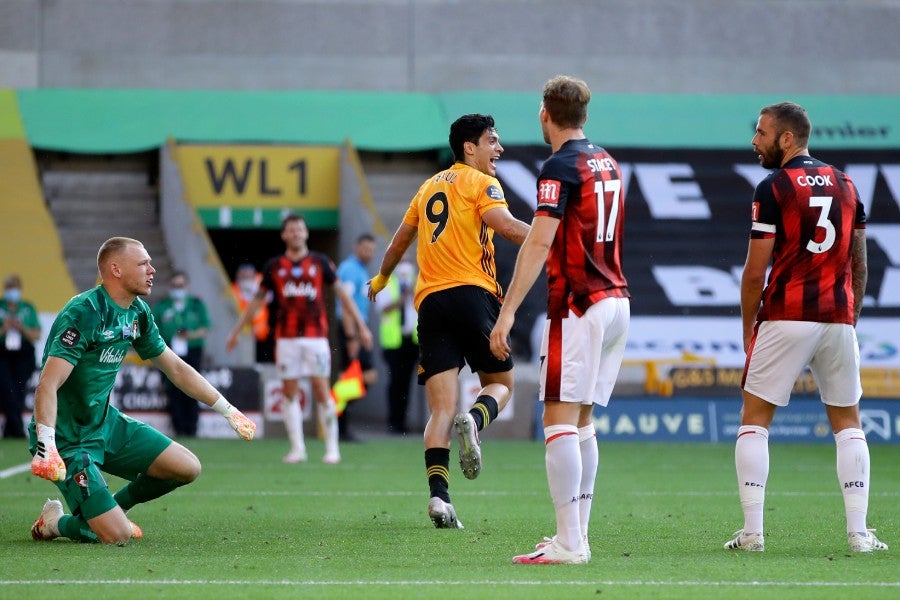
x: 399, y: 339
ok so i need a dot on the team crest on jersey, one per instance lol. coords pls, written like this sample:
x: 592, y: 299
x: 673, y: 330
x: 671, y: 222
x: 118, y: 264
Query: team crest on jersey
x: 69, y: 337
x: 132, y: 331
x: 312, y: 270
x: 296, y: 271
x: 548, y: 192
x: 81, y: 479
x: 494, y: 192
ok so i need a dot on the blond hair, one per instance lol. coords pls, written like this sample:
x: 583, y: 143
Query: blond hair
x: 112, y: 247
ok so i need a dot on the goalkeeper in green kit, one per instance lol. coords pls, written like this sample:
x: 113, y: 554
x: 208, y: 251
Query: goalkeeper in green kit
x: 75, y: 434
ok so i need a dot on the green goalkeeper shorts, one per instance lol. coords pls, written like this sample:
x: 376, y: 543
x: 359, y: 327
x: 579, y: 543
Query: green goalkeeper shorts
x: 122, y: 447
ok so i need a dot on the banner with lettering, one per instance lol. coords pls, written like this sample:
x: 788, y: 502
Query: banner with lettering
x: 139, y: 392
x: 253, y: 185
x: 717, y: 420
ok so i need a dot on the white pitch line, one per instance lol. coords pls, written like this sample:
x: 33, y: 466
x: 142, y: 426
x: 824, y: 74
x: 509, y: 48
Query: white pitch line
x: 7, y: 473
x: 483, y: 493
x: 496, y: 493
x: 432, y: 583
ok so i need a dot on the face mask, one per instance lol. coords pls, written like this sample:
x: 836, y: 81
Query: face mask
x: 178, y: 294
x: 12, y: 294
x: 249, y: 287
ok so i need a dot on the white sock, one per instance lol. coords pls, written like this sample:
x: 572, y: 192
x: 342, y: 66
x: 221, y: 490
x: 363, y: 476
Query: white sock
x: 327, y: 415
x: 853, y: 475
x: 563, y: 459
x: 590, y: 460
x: 751, y: 459
x: 293, y: 424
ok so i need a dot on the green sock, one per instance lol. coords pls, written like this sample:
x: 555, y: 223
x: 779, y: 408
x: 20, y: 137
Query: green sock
x: 143, y: 489
x: 77, y: 529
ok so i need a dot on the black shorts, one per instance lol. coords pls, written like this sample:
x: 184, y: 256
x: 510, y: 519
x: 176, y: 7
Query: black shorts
x: 455, y: 328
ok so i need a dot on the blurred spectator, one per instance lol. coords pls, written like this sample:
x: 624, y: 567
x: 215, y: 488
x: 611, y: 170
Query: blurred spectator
x: 354, y: 273
x: 19, y: 330
x: 245, y: 286
x: 183, y: 323
x: 399, y: 340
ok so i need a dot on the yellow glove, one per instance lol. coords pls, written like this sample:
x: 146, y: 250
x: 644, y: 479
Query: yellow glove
x: 376, y: 284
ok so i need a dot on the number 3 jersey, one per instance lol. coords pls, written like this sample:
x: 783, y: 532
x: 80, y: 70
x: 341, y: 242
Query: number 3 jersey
x: 455, y: 246
x: 581, y: 185
x: 811, y: 209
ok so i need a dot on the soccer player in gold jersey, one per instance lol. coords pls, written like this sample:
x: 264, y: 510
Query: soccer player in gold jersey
x: 455, y: 214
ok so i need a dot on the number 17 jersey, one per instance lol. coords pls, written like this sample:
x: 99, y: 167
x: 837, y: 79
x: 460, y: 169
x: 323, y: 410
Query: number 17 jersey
x: 581, y: 185
x: 455, y: 245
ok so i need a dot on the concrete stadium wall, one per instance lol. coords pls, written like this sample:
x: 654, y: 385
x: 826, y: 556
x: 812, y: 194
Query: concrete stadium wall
x: 624, y: 46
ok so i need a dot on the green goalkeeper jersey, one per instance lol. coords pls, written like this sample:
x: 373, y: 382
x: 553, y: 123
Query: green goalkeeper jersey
x: 94, y: 334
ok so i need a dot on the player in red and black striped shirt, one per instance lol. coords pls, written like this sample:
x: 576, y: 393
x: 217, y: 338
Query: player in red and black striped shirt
x: 577, y: 231
x: 809, y: 224
x: 580, y: 187
x: 299, y: 287
x: 298, y: 279
x: 809, y: 205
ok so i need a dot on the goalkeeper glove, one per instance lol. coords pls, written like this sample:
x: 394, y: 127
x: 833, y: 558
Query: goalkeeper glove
x: 47, y: 463
x: 244, y: 427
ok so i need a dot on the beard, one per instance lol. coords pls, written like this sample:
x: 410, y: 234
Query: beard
x: 771, y: 157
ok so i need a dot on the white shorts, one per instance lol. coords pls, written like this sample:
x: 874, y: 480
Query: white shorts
x: 581, y: 356
x: 302, y: 357
x: 782, y: 349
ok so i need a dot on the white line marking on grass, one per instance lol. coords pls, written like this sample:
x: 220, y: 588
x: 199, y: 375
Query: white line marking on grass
x: 188, y: 491
x: 432, y: 583
x: 734, y: 493
x: 494, y: 493
x: 7, y: 473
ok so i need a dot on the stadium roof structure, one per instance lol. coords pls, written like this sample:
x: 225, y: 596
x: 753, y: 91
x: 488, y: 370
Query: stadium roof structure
x: 110, y: 121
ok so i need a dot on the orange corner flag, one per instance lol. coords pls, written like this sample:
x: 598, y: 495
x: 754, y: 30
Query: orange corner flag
x: 349, y: 386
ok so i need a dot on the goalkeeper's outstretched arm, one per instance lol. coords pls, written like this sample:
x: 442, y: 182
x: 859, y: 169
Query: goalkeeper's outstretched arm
x: 192, y: 383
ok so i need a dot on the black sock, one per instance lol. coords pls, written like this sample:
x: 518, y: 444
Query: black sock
x: 437, y: 467
x: 484, y: 411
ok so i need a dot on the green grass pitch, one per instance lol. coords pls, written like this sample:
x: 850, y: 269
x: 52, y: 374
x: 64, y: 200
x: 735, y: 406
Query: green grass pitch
x: 252, y: 527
